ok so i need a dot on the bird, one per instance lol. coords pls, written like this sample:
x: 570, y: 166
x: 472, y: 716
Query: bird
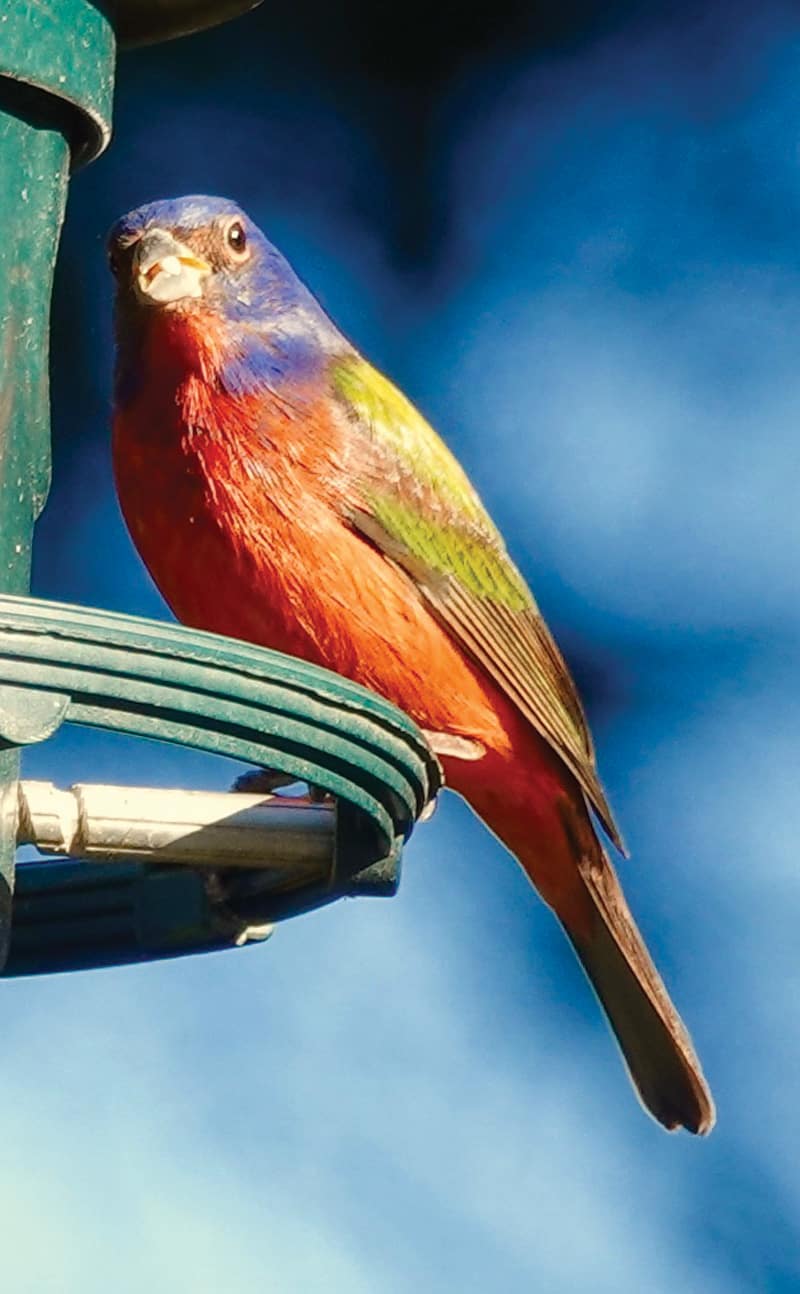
x: 282, y: 491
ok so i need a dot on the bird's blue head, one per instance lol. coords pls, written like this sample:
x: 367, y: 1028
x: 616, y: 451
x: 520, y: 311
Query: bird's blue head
x: 203, y: 257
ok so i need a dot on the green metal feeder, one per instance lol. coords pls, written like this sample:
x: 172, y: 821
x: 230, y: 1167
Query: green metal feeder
x: 201, y: 875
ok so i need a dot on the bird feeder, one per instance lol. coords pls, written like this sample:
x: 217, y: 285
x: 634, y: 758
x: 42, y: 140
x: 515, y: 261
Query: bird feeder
x: 126, y: 874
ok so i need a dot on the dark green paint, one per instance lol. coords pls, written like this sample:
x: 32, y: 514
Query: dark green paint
x: 216, y: 694
x: 64, y: 49
x: 56, y: 76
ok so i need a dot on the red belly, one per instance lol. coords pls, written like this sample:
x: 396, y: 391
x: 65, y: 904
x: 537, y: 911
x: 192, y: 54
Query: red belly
x: 273, y: 564
x: 257, y: 553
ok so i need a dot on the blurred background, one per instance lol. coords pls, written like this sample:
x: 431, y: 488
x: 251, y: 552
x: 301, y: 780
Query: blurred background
x: 570, y: 232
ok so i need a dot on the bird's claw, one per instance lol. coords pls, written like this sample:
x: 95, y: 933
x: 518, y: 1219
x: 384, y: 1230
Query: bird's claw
x: 262, y: 781
x: 266, y: 781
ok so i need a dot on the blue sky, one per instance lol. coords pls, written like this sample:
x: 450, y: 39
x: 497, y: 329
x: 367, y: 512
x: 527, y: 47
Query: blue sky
x: 420, y: 1095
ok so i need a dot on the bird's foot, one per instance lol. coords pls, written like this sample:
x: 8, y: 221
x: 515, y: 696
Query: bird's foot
x: 268, y: 781
x: 262, y: 781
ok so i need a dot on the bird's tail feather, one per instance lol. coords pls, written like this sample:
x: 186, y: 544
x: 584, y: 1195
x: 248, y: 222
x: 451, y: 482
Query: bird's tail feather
x: 652, y: 1037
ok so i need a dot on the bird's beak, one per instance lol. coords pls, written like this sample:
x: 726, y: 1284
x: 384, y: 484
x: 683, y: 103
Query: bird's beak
x: 166, y: 270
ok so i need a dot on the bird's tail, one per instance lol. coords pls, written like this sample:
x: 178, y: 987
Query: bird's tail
x: 652, y: 1037
x: 553, y: 838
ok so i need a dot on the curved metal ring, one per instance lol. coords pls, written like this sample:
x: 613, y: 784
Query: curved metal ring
x: 216, y: 694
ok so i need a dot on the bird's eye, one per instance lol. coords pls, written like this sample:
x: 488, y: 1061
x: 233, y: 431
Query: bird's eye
x: 236, y: 240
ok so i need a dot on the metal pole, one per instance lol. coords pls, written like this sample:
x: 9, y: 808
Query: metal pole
x: 214, y: 829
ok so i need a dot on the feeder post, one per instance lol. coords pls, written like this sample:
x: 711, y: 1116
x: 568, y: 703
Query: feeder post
x: 56, y: 76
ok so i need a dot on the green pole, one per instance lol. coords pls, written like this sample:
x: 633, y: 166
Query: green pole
x: 56, y: 78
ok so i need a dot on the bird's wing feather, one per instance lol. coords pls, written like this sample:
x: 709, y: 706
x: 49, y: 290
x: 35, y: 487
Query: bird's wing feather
x: 408, y: 496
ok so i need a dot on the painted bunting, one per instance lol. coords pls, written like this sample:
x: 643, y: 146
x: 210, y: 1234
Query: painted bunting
x: 282, y: 491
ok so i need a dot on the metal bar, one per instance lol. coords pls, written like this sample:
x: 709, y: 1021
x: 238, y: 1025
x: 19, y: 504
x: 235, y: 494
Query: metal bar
x: 209, y: 829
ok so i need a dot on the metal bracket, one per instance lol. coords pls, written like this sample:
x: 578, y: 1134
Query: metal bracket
x: 170, y: 683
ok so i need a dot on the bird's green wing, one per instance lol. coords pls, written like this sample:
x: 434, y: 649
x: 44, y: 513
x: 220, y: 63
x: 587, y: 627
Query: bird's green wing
x: 408, y: 496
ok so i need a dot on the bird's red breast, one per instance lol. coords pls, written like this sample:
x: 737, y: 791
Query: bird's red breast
x: 229, y: 503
